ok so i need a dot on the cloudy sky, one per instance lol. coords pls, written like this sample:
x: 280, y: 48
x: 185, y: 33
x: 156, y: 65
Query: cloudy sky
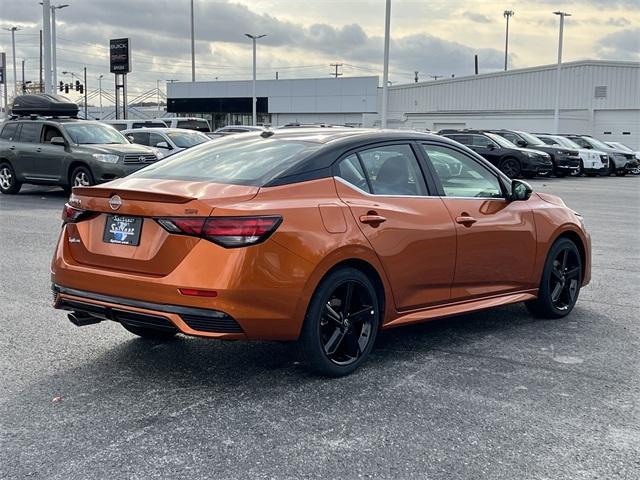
x: 435, y: 37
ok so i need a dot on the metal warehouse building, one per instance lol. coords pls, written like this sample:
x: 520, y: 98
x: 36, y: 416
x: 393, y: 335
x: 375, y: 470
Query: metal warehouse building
x: 600, y: 98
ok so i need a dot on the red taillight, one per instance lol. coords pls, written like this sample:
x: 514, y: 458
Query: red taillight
x: 193, y: 292
x: 73, y: 215
x: 225, y: 231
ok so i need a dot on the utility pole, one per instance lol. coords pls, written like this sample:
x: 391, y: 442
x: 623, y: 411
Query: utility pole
x: 41, y: 89
x: 507, y: 14
x: 254, y: 100
x: 46, y: 29
x: 24, y: 85
x: 336, y: 74
x: 86, y: 116
x: 100, y: 95
x: 193, y: 47
x: 415, y: 79
x: 556, y: 110
x: 13, y: 31
x: 54, y: 56
x: 385, y: 69
x: 475, y: 59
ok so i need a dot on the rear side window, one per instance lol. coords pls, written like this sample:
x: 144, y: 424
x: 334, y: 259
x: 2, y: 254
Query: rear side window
x: 9, y: 131
x: 30, y: 132
x: 393, y: 170
x: 252, y: 161
x: 351, y: 171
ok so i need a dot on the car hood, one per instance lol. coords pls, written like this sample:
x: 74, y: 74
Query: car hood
x: 124, y: 148
x: 533, y: 150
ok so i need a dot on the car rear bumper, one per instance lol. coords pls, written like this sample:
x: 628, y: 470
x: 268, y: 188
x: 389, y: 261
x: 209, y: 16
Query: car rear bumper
x: 94, y: 307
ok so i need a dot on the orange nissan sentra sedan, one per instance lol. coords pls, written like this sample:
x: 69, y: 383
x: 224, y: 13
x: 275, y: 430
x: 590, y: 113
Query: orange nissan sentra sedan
x: 323, y: 236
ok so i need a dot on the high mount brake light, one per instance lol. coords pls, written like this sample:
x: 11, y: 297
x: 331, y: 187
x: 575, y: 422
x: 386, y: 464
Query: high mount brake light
x: 73, y: 215
x: 227, y: 232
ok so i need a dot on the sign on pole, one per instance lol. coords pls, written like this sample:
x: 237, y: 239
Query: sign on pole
x: 120, y: 55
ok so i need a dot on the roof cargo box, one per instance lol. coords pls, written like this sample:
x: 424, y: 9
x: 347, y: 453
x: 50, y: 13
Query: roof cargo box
x: 44, y: 105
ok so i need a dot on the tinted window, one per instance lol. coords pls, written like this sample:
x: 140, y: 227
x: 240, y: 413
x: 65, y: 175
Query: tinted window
x: 511, y: 137
x: 9, y: 131
x: 155, y: 138
x: 481, y: 141
x: 50, y: 132
x: 463, y: 139
x: 393, y: 170
x: 119, y: 126
x: 582, y: 142
x: 252, y: 161
x: 141, y: 138
x: 548, y: 141
x: 147, y: 124
x: 460, y: 175
x: 350, y: 170
x: 30, y: 132
x: 200, y: 125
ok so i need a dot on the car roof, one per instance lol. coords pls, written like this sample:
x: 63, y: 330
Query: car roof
x: 158, y: 130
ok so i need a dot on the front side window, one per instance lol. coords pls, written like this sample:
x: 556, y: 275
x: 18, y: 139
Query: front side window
x: 30, y: 132
x: 462, y: 176
x: 510, y: 136
x: 141, y: 138
x: 50, y: 132
x: 155, y: 139
x: 393, y: 170
x: 463, y: 139
x: 482, y: 141
x: 351, y: 171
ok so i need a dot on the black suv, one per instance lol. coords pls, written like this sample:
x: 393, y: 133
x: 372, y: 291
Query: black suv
x: 514, y: 161
x: 565, y: 160
x: 66, y: 152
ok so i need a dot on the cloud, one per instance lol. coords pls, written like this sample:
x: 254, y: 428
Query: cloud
x: 620, y: 45
x: 618, y: 22
x: 477, y: 17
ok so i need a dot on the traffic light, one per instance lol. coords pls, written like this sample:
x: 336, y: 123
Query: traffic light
x: 77, y: 85
x: 81, y: 89
x: 61, y: 86
x: 66, y: 88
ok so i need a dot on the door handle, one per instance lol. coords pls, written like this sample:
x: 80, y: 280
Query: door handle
x: 466, y: 220
x: 12, y: 147
x: 372, y: 219
x: 38, y: 149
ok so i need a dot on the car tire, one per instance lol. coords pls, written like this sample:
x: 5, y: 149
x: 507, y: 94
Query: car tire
x: 621, y: 173
x: 150, y: 333
x: 341, y: 323
x: 560, y: 174
x: 81, y: 177
x: 511, y: 167
x: 560, y: 282
x: 9, y: 184
x: 579, y: 171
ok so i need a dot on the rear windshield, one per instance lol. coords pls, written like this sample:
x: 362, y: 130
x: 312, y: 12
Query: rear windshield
x: 194, y: 124
x: 252, y: 161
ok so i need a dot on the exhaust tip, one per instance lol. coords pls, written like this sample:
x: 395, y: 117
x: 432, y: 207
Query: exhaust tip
x: 81, y: 319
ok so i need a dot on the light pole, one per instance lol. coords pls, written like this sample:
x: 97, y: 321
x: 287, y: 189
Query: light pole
x: 556, y: 110
x: 46, y: 45
x: 13, y: 31
x: 254, y: 100
x: 385, y: 70
x: 507, y: 14
x: 193, y: 47
x: 54, y: 57
x: 100, y: 95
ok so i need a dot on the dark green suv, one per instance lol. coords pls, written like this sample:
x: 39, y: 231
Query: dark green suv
x: 66, y: 152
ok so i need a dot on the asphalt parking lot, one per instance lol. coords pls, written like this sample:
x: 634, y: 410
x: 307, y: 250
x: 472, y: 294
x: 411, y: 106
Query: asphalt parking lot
x: 495, y: 394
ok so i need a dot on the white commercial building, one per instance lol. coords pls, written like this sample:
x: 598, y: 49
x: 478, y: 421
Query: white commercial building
x: 329, y: 100
x: 599, y: 98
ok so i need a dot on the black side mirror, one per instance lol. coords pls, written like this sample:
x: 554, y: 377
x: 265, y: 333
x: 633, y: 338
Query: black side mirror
x: 57, y: 141
x: 522, y: 143
x: 491, y: 146
x: 520, y: 190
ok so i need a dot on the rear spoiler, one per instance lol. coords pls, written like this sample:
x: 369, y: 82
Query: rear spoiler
x: 144, y: 196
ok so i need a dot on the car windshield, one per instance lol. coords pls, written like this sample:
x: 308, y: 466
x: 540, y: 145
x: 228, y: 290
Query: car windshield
x: 252, y: 161
x: 93, y: 133
x: 565, y: 142
x: 620, y: 146
x: 503, y: 142
x: 531, y: 140
x: 187, y: 139
x: 597, y: 144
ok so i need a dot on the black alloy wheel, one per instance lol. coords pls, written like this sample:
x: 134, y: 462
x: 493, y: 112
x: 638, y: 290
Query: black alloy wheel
x: 341, y: 323
x: 510, y: 167
x: 561, y: 281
